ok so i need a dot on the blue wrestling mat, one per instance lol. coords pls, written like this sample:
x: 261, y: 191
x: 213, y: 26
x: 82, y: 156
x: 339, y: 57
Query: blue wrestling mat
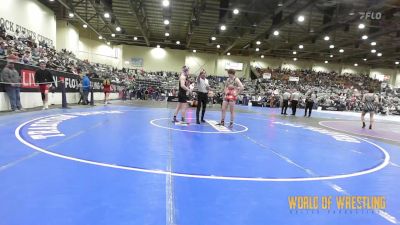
x: 132, y: 165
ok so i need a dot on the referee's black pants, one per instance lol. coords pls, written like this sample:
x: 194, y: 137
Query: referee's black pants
x: 201, y: 103
x: 294, y: 106
x: 309, y: 106
x: 285, y: 104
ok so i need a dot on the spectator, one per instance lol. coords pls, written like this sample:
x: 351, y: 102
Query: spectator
x: 44, y: 78
x: 27, y: 57
x: 85, y: 88
x: 12, y: 81
x: 3, y: 49
x: 106, y: 90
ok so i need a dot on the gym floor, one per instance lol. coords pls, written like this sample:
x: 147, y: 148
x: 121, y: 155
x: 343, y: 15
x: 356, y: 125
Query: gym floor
x: 126, y: 163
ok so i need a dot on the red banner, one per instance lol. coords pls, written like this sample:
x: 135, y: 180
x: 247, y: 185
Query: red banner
x: 28, y: 79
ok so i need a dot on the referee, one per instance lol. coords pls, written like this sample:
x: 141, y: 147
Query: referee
x: 285, y: 102
x: 202, y: 95
x: 294, y: 101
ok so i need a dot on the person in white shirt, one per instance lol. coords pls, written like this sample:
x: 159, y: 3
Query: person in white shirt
x: 202, y: 96
x: 294, y: 100
x: 285, y: 102
x: 370, y: 101
x: 310, y: 100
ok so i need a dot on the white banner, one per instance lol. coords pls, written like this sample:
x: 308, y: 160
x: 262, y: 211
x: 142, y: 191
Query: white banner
x: 296, y: 79
x: 267, y: 76
x: 234, y: 66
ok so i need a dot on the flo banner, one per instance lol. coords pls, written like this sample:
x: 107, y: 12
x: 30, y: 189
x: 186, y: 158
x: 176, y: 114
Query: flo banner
x: 72, y: 81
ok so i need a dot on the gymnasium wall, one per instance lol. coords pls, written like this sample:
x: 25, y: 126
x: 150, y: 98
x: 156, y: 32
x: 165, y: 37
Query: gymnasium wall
x: 154, y: 59
x: 397, y: 79
x: 67, y: 37
x: 355, y: 69
x: 197, y: 61
x: 266, y: 62
x: 31, y: 15
x: 222, y: 60
x: 327, y: 67
x: 99, y: 52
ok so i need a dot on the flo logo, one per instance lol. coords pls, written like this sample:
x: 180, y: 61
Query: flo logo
x: 370, y: 15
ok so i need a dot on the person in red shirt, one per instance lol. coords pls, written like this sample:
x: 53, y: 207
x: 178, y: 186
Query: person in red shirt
x: 106, y: 90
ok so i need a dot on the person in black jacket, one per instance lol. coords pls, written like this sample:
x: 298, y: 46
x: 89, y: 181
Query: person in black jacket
x: 44, y: 79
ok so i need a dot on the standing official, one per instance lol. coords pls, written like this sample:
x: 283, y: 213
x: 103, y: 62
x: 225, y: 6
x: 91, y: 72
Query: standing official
x: 311, y: 98
x: 370, y: 101
x: 294, y: 101
x: 285, y: 102
x: 44, y: 78
x: 202, y: 95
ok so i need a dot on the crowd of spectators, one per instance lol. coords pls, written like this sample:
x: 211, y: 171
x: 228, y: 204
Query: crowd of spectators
x: 24, y: 49
x: 343, y: 91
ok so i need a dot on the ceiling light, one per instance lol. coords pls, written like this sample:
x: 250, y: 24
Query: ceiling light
x: 397, y: 63
x: 355, y: 64
x: 108, y: 43
x: 194, y: 51
x: 166, y: 34
x: 379, y: 54
x: 178, y: 42
x: 213, y: 38
x: 373, y: 43
x: 280, y: 4
x: 361, y: 26
x: 326, y: 61
x: 106, y: 15
x: 257, y: 49
x: 71, y: 15
x: 228, y: 53
x: 100, y: 37
x: 118, y: 29
x: 276, y: 33
x: 258, y: 42
x: 218, y: 46
x: 341, y: 50
x: 262, y: 56
x: 300, y: 18
x: 365, y: 59
x: 158, y: 46
x: 294, y: 59
x: 301, y: 46
x: 223, y: 27
x: 331, y: 56
x: 135, y: 38
x: 364, y: 37
x: 294, y: 52
x: 331, y: 46
x: 165, y: 3
x: 51, y: 0
x: 373, y: 50
x: 112, y: 35
x: 236, y: 11
x: 84, y: 25
x: 326, y: 38
x: 166, y: 22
